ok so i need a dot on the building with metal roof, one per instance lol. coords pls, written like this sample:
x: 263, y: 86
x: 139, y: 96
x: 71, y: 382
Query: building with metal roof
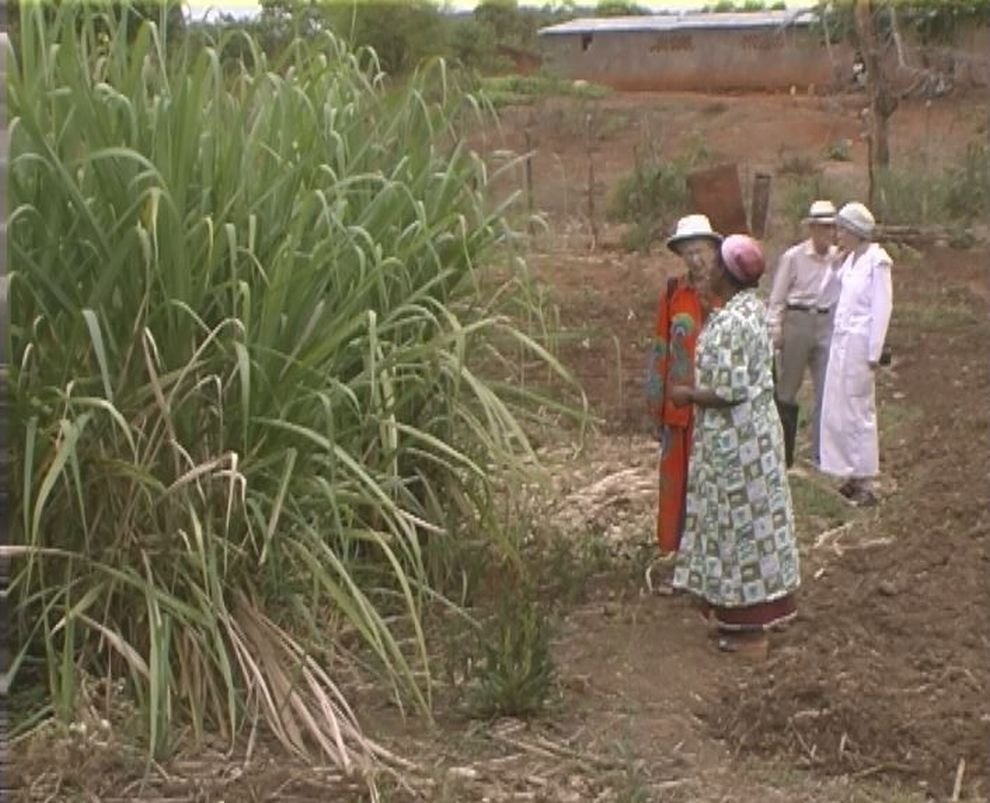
x: 696, y: 51
x: 685, y: 21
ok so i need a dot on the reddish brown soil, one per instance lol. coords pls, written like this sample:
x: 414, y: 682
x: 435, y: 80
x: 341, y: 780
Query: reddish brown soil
x: 759, y: 132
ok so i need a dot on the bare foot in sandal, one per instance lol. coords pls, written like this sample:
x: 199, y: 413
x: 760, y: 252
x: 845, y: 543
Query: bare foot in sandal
x: 752, y: 646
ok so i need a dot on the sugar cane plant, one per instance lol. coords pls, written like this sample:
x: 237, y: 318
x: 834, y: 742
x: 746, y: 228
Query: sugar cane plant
x: 259, y: 372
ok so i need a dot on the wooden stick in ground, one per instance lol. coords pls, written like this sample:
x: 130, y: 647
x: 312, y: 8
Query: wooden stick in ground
x: 957, y: 786
x: 589, y: 146
x: 530, y: 202
x: 760, y: 205
x: 830, y: 534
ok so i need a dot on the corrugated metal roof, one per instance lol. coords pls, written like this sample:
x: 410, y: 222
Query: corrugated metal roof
x: 682, y: 22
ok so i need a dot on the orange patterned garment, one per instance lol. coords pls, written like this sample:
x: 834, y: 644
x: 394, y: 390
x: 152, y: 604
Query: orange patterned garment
x: 671, y: 362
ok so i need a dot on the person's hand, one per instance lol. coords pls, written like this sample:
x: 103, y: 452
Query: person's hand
x: 681, y: 395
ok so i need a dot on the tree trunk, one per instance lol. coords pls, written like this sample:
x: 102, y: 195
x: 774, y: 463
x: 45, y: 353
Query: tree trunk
x: 882, y: 120
x: 883, y: 102
x: 871, y: 196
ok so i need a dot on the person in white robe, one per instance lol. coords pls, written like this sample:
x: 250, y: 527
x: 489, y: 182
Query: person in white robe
x: 849, y: 438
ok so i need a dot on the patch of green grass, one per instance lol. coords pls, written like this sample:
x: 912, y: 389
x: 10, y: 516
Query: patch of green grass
x: 816, y: 503
x: 780, y: 775
x: 797, y: 164
x: 612, y: 124
x: 798, y: 190
x: 507, y: 90
x: 886, y: 793
x: 630, y: 783
x: 958, y: 195
x: 893, y: 416
x: 566, y: 564
x: 937, y: 316
x: 903, y: 254
x: 713, y: 109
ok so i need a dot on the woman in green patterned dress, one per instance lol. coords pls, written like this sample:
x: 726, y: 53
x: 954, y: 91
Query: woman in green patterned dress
x: 738, y: 552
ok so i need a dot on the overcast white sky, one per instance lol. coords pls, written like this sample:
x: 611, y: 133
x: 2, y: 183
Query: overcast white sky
x: 242, y: 8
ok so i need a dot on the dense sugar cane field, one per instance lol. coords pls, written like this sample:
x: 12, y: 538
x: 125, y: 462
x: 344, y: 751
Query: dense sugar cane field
x: 330, y: 474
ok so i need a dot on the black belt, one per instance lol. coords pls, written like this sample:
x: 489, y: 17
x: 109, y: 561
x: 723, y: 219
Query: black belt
x: 806, y: 308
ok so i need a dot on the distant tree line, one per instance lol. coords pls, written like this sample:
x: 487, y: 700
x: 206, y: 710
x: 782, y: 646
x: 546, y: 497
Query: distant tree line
x: 166, y: 13
x: 932, y: 22
x: 727, y: 6
x: 403, y: 32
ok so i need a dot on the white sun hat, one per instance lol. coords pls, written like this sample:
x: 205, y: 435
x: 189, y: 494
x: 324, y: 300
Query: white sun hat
x: 855, y: 217
x: 693, y: 227
x: 821, y: 212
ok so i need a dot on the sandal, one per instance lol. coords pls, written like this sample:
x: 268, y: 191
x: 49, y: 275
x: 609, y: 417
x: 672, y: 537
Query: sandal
x: 752, y: 646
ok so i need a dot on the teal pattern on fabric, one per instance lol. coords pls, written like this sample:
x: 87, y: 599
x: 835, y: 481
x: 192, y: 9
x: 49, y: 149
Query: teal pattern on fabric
x: 681, y: 326
x: 654, y: 380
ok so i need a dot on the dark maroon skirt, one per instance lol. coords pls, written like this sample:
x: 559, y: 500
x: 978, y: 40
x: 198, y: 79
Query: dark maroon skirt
x: 762, y: 616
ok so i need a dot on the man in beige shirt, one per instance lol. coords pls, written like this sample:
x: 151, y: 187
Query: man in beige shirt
x: 800, y: 318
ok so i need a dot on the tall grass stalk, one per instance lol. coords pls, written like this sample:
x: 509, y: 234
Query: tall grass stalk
x: 249, y: 311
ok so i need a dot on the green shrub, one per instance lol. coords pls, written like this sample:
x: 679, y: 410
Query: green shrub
x: 619, y: 8
x: 907, y: 197
x: 565, y: 563
x: 967, y: 185
x: 961, y: 238
x: 957, y: 196
x: 472, y: 44
x: 504, y: 90
x: 516, y: 677
x: 650, y: 199
x: 797, y: 164
x: 798, y: 193
x: 903, y: 254
x: 839, y: 151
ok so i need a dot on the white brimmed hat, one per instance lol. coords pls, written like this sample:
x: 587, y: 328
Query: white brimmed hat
x: 855, y: 217
x: 821, y: 212
x: 693, y: 227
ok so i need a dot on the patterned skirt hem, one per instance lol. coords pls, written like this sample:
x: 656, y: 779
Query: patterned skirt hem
x: 761, y: 616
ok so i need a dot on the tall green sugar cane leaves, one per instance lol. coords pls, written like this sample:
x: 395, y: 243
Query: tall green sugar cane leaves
x: 247, y: 338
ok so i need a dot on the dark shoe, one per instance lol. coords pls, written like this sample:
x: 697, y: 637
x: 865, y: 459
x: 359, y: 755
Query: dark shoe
x: 848, y: 489
x: 863, y: 498
x: 789, y: 423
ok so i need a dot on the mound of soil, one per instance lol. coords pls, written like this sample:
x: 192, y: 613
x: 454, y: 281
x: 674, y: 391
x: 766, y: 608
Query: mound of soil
x: 886, y: 672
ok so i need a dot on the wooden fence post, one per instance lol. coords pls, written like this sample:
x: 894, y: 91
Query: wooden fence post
x: 530, y: 202
x: 590, y: 148
x: 760, y: 205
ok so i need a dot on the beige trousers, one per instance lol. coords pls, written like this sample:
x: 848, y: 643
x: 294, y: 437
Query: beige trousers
x: 805, y: 336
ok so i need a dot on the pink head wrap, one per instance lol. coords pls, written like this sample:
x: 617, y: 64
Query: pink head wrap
x: 743, y: 258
